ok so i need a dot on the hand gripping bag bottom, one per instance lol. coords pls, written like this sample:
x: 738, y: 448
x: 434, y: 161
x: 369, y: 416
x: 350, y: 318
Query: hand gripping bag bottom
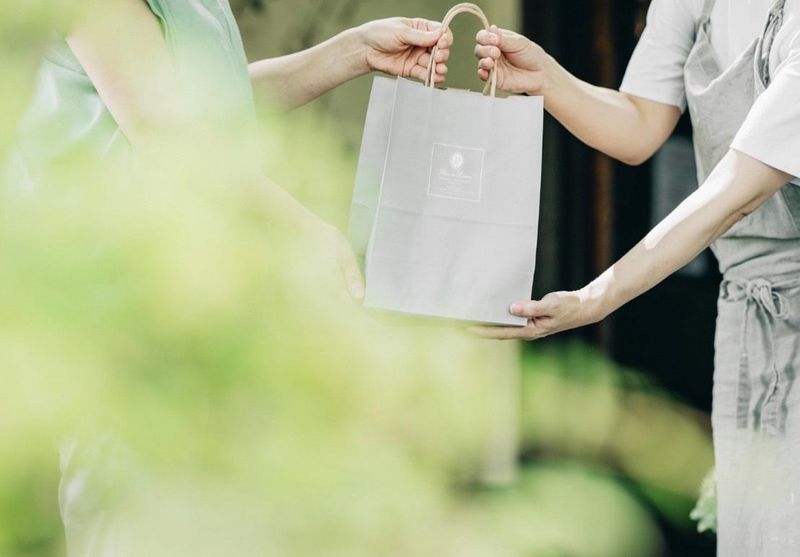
x: 446, y: 203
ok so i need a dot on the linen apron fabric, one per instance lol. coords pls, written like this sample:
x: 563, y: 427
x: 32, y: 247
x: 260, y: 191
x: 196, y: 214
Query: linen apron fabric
x: 756, y: 407
x: 67, y: 116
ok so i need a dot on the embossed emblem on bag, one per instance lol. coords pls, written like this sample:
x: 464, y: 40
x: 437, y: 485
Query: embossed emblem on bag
x: 456, y: 172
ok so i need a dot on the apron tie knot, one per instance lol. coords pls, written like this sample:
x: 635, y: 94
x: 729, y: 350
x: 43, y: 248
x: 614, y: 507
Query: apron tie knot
x: 759, y: 295
x: 761, y: 292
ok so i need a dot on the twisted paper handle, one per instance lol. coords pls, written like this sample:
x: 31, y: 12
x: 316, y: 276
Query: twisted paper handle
x: 465, y: 8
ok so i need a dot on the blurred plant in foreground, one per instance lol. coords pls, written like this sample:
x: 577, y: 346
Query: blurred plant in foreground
x: 578, y: 404
x: 705, y: 512
x: 216, y: 393
x: 220, y: 393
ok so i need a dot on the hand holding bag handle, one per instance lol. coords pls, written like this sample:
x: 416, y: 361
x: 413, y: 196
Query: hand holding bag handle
x: 468, y: 8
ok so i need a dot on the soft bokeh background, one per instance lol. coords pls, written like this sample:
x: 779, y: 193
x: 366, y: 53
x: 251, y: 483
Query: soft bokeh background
x: 230, y: 404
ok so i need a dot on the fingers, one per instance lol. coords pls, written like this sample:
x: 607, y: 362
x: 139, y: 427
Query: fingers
x: 352, y: 274
x: 539, y: 324
x: 446, y: 41
x: 490, y: 37
x: 486, y: 64
x: 485, y: 51
x: 556, y: 312
x: 417, y: 37
x: 529, y: 332
x: 507, y: 42
x: 427, y: 33
x: 420, y: 71
x: 421, y: 23
x: 441, y: 56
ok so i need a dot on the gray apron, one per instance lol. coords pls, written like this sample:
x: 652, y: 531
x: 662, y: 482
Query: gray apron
x: 756, y: 408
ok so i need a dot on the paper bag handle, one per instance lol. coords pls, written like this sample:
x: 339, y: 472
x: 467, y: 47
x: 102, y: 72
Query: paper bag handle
x: 464, y: 8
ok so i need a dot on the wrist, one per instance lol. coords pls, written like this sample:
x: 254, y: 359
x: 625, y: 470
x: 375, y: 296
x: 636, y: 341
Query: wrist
x: 553, y: 77
x: 351, y: 50
x: 356, y: 44
x: 595, y: 300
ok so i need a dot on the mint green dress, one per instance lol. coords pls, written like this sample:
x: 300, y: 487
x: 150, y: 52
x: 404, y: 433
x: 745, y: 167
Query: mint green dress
x: 67, y: 118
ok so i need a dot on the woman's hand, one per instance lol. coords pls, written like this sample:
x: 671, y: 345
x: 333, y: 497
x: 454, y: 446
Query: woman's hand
x: 401, y: 46
x: 556, y: 312
x: 398, y: 46
x: 336, y: 249
x: 521, y: 64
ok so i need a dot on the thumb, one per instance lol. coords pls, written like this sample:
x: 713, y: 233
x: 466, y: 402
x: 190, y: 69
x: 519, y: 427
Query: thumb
x: 531, y: 309
x: 352, y: 274
x: 508, y: 41
x: 418, y: 37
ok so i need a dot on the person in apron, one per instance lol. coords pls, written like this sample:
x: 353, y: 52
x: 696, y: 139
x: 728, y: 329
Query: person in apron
x: 79, y: 111
x: 747, y: 148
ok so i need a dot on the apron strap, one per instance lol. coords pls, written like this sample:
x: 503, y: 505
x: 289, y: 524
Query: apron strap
x: 705, y: 15
x: 773, y: 25
x: 706, y: 57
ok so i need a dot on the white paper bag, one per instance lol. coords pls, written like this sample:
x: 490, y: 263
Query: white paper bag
x: 446, y: 202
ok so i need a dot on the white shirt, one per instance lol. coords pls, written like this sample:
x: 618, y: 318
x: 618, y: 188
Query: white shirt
x: 771, y: 132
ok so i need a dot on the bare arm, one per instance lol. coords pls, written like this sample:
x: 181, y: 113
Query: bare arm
x: 626, y: 127
x: 129, y: 65
x: 131, y: 68
x: 737, y: 187
x: 398, y: 46
x: 298, y: 78
x: 121, y: 47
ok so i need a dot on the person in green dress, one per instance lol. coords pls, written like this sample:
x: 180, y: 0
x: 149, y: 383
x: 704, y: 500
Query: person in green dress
x: 131, y: 76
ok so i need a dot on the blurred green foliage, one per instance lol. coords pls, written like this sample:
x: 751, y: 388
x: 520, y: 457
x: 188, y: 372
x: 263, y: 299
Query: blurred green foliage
x: 579, y: 404
x: 217, y: 394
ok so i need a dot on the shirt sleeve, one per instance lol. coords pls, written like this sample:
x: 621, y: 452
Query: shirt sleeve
x: 655, y: 71
x: 771, y: 132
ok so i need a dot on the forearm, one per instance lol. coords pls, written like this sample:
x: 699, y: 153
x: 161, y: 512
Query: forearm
x: 624, y: 127
x: 737, y: 187
x: 277, y: 206
x: 294, y: 80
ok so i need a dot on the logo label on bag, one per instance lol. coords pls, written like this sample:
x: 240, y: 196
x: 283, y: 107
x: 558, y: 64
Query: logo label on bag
x: 456, y: 172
